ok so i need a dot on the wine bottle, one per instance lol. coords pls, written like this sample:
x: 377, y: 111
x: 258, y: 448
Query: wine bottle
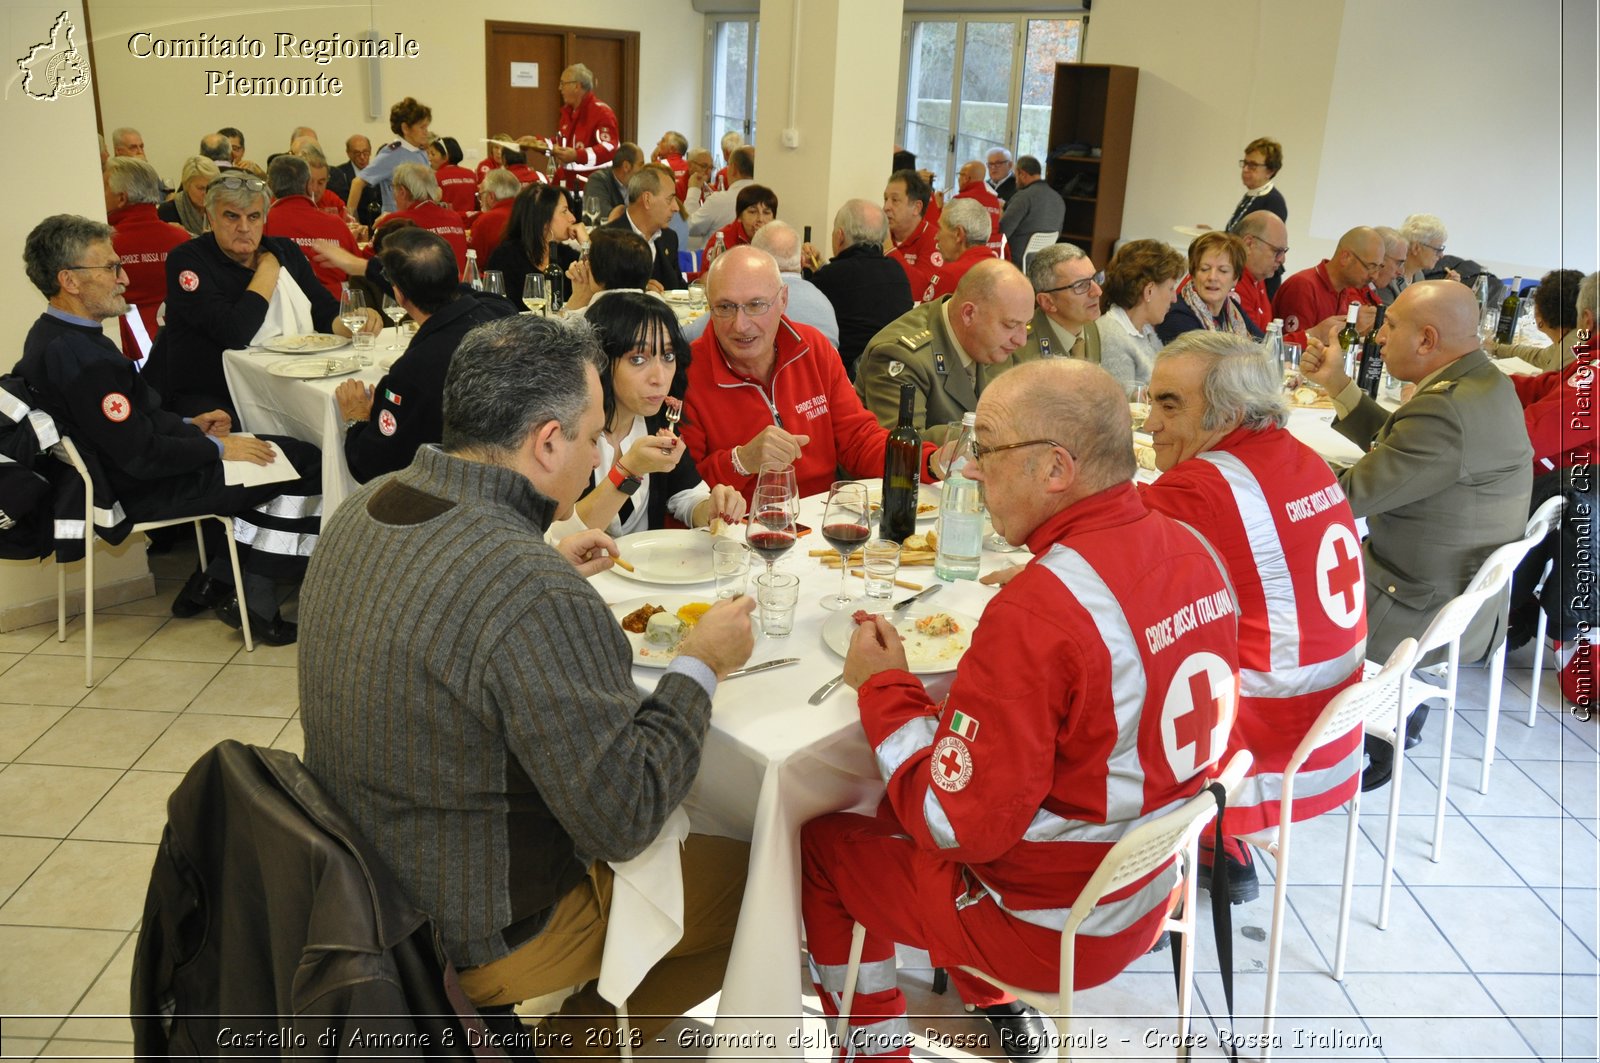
x: 1350, y: 340
x: 902, y: 469
x: 1372, y: 358
x: 553, y: 286
x: 472, y: 276
x: 1507, y: 332
x: 960, y: 548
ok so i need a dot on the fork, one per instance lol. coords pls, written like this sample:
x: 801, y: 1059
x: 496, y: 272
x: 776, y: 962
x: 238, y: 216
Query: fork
x: 674, y: 414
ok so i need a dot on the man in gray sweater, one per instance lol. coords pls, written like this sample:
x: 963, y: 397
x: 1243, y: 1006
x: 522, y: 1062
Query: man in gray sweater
x: 467, y: 696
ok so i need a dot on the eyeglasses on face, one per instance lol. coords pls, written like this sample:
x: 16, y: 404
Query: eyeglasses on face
x: 114, y: 268
x: 235, y: 183
x: 753, y: 308
x: 1246, y: 164
x: 1276, y: 250
x: 1436, y: 250
x: 1079, y: 287
x: 980, y: 451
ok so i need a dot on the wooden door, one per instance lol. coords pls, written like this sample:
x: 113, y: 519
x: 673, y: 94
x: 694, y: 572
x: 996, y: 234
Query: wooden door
x: 613, y: 55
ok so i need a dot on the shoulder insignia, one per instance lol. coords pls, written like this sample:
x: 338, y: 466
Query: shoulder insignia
x: 1441, y: 387
x: 912, y: 340
x: 896, y: 368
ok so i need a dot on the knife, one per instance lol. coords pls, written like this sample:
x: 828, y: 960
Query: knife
x: 762, y: 667
x: 827, y: 688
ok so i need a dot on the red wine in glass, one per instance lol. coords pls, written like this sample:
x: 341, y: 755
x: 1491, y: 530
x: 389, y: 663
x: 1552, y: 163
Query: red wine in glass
x: 845, y: 537
x: 771, y: 544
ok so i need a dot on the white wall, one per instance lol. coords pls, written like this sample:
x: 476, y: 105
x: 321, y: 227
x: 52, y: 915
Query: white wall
x: 165, y: 98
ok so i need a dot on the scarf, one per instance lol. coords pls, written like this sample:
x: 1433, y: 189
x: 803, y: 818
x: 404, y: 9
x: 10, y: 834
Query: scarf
x: 192, y: 217
x: 1231, y: 315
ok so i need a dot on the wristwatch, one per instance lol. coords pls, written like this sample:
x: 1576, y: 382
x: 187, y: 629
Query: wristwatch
x: 351, y: 422
x: 624, y: 482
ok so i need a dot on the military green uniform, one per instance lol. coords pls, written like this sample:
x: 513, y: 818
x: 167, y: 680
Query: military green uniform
x: 1044, y: 343
x: 1445, y: 483
x: 916, y: 348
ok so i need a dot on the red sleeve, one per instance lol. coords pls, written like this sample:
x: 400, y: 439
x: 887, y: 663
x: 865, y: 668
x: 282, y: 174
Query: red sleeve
x: 858, y: 439
x: 1547, y: 423
x: 1295, y: 301
x: 1530, y: 389
x: 715, y: 465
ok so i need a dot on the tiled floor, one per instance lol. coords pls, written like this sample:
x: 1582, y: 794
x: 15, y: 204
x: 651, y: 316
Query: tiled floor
x: 1490, y: 954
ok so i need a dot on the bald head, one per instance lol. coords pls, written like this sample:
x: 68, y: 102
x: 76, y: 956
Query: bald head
x: 1430, y: 325
x: 990, y: 310
x: 1077, y: 404
x: 1359, y: 255
x: 739, y: 264
x: 970, y: 172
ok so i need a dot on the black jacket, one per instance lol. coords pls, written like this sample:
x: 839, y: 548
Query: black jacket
x: 665, y: 269
x: 269, y: 916
x: 867, y: 290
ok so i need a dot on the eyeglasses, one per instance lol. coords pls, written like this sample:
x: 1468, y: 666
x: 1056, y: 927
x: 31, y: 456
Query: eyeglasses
x: 1278, y: 252
x: 1246, y: 164
x: 1079, y: 287
x: 1436, y: 250
x: 754, y: 308
x: 113, y: 268
x: 1370, y: 267
x: 234, y: 183
x: 980, y: 451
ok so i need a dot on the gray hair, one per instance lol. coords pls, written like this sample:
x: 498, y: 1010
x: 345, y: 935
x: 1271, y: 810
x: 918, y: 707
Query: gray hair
x: 862, y: 222
x: 1042, y: 268
x: 1002, y: 152
x: 313, y: 155
x: 502, y: 184
x: 730, y: 140
x: 652, y: 179
x: 1587, y: 296
x: 251, y: 189
x: 417, y: 180
x: 56, y: 243
x: 970, y: 217
x: 677, y: 140
x: 581, y: 74
x: 1391, y: 237
x: 778, y: 239
x: 216, y: 147
x: 133, y: 178
x: 198, y: 166
x: 1241, y: 380
x: 511, y: 376
x: 121, y: 131
x: 1424, y: 229
x: 288, y: 175
x: 702, y: 155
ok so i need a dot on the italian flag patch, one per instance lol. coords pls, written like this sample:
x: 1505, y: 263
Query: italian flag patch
x: 391, y: 396
x: 964, y: 725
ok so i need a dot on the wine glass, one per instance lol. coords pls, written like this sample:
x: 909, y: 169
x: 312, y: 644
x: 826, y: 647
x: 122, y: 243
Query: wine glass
x: 771, y: 531
x: 533, y: 293
x: 394, y: 312
x: 774, y: 474
x: 353, y: 310
x: 845, y: 524
x: 494, y: 282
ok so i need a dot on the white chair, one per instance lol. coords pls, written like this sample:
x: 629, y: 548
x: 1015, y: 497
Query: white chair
x: 1141, y: 851
x: 1036, y: 243
x: 1551, y: 511
x: 69, y: 452
x: 1369, y: 700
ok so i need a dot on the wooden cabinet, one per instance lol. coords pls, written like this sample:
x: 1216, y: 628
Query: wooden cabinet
x: 1091, y: 132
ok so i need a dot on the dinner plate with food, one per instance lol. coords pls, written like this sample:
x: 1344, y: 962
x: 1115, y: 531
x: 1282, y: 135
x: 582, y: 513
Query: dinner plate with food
x: 668, y: 557
x: 314, y: 368
x: 927, y: 501
x: 1306, y: 397
x: 935, y: 638
x: 315, y: 343
x: 656, y: 625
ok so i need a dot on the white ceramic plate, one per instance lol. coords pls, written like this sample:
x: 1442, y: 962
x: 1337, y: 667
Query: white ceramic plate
x: 668, y: 557
x: 1191, y: 231
x: 927, y: 502
x: 316, y: 343
x: 653, y: 656
x: 925, y: 654
x: 315, y: 368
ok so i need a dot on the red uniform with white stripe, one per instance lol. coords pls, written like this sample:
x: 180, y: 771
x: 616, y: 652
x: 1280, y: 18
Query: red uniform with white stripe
x: 591, y: 128
x: 1097, y: 695
x: 1275, y: 513
x: 142, y: 241
x: 948, y: 275
x: 979, y: 192
x: 918, y: 254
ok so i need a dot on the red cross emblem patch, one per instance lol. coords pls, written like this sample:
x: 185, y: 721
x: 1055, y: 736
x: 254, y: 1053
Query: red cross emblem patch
x: 952, y: 764
x: 116, y: 407
x: 386, y: 423
x: 1340, y: 584
x: 188, y: 280
x: 1197, y: 714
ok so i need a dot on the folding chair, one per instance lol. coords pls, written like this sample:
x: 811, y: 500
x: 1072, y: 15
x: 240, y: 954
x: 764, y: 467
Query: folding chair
x: 1550, y: 511
x: 1037, y: 242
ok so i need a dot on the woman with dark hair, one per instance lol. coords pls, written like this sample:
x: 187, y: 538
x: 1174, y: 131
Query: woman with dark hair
x: 1555, y: 313
x: 645, y: 476
x: 1141, y: 284
x: 540, y: 223
x: 1263, y: 158
x: 1205, y: 298
x: 408, y: 120
x: 458, y: 188
x: 754, y: 206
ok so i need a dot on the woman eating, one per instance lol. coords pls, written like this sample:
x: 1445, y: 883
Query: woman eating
x: 187, y: 207
x: 1205, y: 299
x: 1141, y: 283
x: 535, y: 239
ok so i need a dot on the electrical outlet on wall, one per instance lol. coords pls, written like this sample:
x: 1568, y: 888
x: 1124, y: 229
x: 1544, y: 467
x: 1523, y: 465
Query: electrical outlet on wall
x: 791, y: 138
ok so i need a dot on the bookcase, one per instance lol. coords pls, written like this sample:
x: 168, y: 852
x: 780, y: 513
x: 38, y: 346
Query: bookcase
x: 1091, y: 132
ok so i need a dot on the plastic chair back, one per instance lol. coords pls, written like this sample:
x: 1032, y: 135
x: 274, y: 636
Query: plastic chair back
x: 1451, y: 622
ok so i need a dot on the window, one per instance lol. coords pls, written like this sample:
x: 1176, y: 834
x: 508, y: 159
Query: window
x: 973, y: 83
x: 732, y: 50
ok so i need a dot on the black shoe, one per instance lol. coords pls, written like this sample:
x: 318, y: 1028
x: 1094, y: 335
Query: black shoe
x: 1163, y: 943
x: 1380, y: 765
x: 274, y: 632
x: 1024, y: 1033
x: 1414, y: 727
x: 1243, y: 885
x: 1523, y: 625
x: 199, y: 594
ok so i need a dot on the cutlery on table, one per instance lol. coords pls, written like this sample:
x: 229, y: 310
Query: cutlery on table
x: 762, y: 667
x: 827, y: 688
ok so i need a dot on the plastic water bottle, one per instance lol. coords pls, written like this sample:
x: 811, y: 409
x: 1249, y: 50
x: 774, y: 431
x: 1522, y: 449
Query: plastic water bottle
x: 472, y: 276
x: 960, y: 514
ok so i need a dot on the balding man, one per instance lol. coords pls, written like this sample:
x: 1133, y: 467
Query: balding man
x: 1396, y: 248
x: 295, y: 215
x: 867, y: 288
x: 970, y: 184
x: 496, y: 196
x: 1266, y: 243
x: 950, y: 349
x: 127, y: 143
x: 1002, y: 799
x: 589, y: 132
x: 764, y: 389
x: 1314, y: 301
x: 963, y: 242
x: 1066, y: 294
x: 142, y: 241
x: 416, y: 196
x: 358, y: 152
x: 1445, y: 479
x: 806, y: 305
x: 219, y: 149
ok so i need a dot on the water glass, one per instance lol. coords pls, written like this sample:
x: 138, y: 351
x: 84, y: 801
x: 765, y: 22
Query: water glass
x: 365, y: 341
x: 777, y: 594
x: 730, y: 565
x: 1488, y: 324
x: 1291, y: 365
x: 881, y: 560
x: 494, y: 282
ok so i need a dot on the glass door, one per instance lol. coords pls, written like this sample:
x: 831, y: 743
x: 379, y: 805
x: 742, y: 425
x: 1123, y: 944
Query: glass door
x: 986, y: 104
x: 930, y: 103
x: 735, y: 51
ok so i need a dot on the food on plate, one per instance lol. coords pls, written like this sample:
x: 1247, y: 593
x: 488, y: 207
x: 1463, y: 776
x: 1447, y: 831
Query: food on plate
x: 861, y: 616
x: 690, y: 614
x: 664, y: 629
x: 928, y: 540
x: 935, y: 625
x: 636, y: 621
x: 622, y: 564
x: 1145, y: 456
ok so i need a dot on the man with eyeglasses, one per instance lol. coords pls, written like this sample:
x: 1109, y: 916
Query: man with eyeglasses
x: 146, y: 462
x: 1314, y: 301
x: 767, y: 390
x: 1001, y: 180
x: 1097, y: 695
x: 1066, y: 295
x: 1266, y: 244
x: 1395, y: 250
x: 589, y: 133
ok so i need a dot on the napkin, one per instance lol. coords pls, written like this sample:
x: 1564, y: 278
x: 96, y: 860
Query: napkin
x: 646, y: 917
x: 288, y: 312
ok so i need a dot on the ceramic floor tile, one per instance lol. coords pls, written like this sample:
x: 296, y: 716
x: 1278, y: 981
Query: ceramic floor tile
x: 159, y: 686
x: 114, y: 635
x: 1466, y: 859
x: 44, y: 801
x: 271, y: 656
x: 135, y: 810
x: 26, y: 639
x: 1317, y: 851
x: 193, y: 733
x: 86, y: 1051
x: 251, y: 690
x: 201, y: 639
x: 19, y: 858
x: 1575, y: 908
x: 102, y: 1015
x: 1573, y: 783
x: 20, y: 1047
x: 1546, y: 1009
x: 1412, y: 942
x: 21, y: 726
x: 1545, y: 740
x: 9, y: 659
x: 1543, y: 852
x: 1315, y: 1019
x: 97, y: 738
x: 44, y: 679
x: 1442, y: 1017
x: 1474, y: 920
x: 159, y: 605
x: 90, y: 885
x: 292, y: 738
x: 61, y: 966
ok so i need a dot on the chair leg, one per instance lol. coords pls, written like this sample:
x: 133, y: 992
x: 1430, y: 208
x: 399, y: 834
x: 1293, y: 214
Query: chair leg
x: 1347, y: 884
x: 1280, y: 904
x: 624, y: 1034
x: 238, y: 585
x: 941, y: 980
x: 200, y: 545
x: 1538, y: 667
x: 858, y: 941
x: 61, y: 601
x: 1186, y: 964
x: 1393, y: 826
x: 88, y: 605
x: 1444, y: 751
x: 1497, y: 675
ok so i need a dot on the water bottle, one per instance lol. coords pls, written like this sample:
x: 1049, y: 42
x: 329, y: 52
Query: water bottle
x: 472, y: 276
x: 960, y: 514
x: 1480, y: 291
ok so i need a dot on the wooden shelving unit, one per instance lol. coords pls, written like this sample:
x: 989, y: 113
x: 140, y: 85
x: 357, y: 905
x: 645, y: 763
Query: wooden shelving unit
x: 1092, y: 105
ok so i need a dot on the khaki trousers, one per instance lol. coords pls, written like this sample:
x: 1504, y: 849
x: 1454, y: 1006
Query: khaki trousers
x: 567, y: 952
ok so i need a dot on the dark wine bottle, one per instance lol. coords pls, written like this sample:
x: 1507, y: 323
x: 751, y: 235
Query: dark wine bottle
x: 1371, y: 378
x: 553, y: 283
x: 902, y: 467
x: 1507, y: 330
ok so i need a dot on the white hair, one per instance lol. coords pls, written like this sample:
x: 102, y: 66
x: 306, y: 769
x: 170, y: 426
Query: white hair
x: 778, y: 239
x: 1424, y: 229
x: 970, y: 217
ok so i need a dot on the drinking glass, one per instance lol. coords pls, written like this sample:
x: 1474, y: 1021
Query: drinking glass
x: 771, y: 528
x: 394, y: 312
x: 773, y: 474
x: 777, y: 594
x: 1291, y: 365
x: 880, y: 558
x: 1488, y: 324
x: 494, y: 282
x: 353, y: 310
x: 534, y: 296
x: 730, y: 566
x: 846, y: 524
